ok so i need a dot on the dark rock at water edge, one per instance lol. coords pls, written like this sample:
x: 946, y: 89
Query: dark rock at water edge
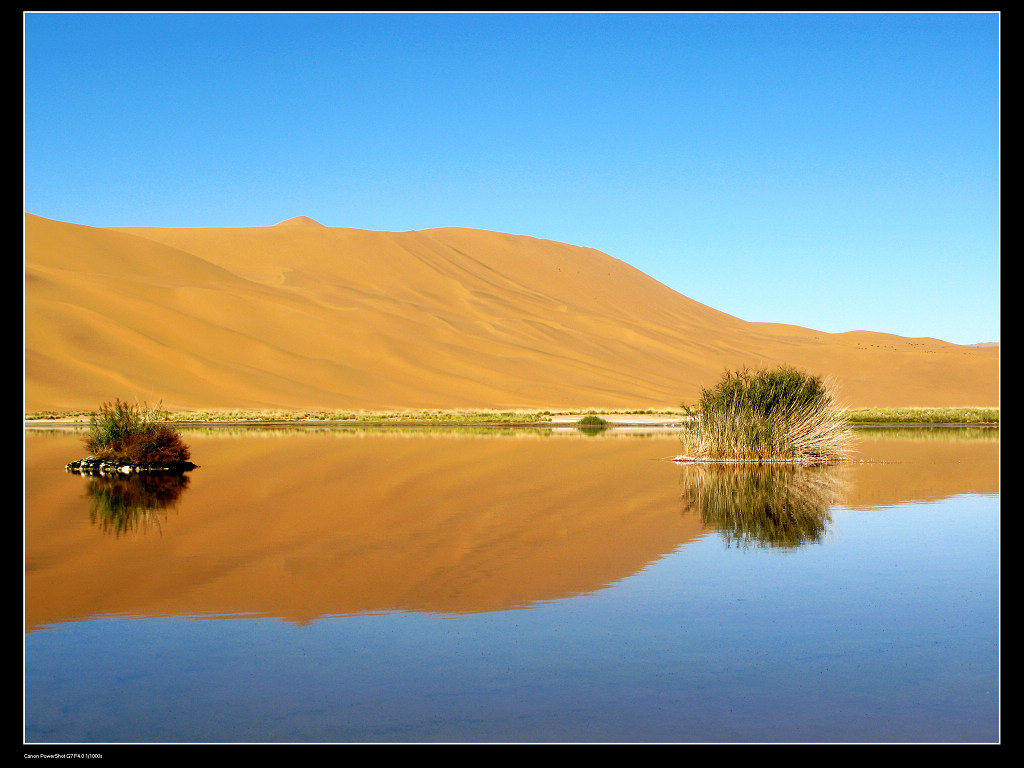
x: 90, y: 465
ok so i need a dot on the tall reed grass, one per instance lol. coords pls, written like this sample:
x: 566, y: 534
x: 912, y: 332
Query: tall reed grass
x: 135, y: 434
x: 779, y: 414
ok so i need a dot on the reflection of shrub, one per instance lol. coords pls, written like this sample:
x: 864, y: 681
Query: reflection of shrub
x: 777, y: 414
x: 134, y: 434
x: 764, y: 506
x: 125, y: 503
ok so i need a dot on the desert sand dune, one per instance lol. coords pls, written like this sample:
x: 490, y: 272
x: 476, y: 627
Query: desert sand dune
x: 300, y: 315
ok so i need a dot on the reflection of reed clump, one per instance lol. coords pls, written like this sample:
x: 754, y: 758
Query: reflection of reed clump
x: 125, y: 503
x: 763, y: 505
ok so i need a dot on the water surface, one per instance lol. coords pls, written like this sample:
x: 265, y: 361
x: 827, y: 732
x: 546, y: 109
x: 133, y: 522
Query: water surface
x: 407, y: 586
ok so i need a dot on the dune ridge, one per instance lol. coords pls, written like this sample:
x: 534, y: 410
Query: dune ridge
x: 300, y: 315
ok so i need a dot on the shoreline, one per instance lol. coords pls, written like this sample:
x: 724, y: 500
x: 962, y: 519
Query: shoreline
x: 560, y: 421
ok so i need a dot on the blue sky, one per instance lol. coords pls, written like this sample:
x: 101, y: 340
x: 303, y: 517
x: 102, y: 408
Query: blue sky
x: 835, y: 171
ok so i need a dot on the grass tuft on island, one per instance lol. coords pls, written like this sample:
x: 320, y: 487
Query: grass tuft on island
x: 768, y: 415
x: 130, y: 434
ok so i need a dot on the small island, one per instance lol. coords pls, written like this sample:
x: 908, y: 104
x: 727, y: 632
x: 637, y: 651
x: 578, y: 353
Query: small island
x: 124, y: 438
x: 91, y: 465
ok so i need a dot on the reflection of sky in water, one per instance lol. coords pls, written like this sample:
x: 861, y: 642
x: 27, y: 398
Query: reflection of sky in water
x: 878, y: 634
x: 884, y: 628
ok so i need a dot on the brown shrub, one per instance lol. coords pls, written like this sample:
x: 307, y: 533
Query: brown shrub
x: 126, y: 432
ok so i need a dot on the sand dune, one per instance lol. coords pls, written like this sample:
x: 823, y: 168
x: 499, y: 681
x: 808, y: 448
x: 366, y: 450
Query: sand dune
x: 300, y: 315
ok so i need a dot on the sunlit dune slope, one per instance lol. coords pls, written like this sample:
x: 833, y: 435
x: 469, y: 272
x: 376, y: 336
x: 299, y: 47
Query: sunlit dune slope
x: 299, y: 315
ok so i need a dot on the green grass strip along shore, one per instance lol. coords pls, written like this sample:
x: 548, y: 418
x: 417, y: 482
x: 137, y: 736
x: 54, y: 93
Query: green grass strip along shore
x: 923, y: 416
x: 514, y: 417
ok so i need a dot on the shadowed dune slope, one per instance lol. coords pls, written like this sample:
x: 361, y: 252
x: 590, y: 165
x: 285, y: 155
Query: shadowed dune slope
x: 300, y: 315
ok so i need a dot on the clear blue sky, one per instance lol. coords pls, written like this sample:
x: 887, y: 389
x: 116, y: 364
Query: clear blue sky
x: 835, y: 171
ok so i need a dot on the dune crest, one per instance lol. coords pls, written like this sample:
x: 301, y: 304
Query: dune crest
x: 299, y: 221
x: 300, y: 315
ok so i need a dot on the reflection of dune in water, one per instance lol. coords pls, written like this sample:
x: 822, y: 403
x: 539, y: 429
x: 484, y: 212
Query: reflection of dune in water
x: 298, y: 524
x: 777, y: 506
x: 312, y: 524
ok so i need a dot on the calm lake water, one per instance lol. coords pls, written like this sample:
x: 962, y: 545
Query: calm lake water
x: 338, y: 586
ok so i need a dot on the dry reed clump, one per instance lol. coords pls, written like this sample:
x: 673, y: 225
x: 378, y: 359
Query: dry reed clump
x: 768, y: 415
x: 133, y: 434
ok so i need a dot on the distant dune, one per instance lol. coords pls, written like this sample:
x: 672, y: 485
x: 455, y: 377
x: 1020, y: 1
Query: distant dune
x: 300, y: 315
